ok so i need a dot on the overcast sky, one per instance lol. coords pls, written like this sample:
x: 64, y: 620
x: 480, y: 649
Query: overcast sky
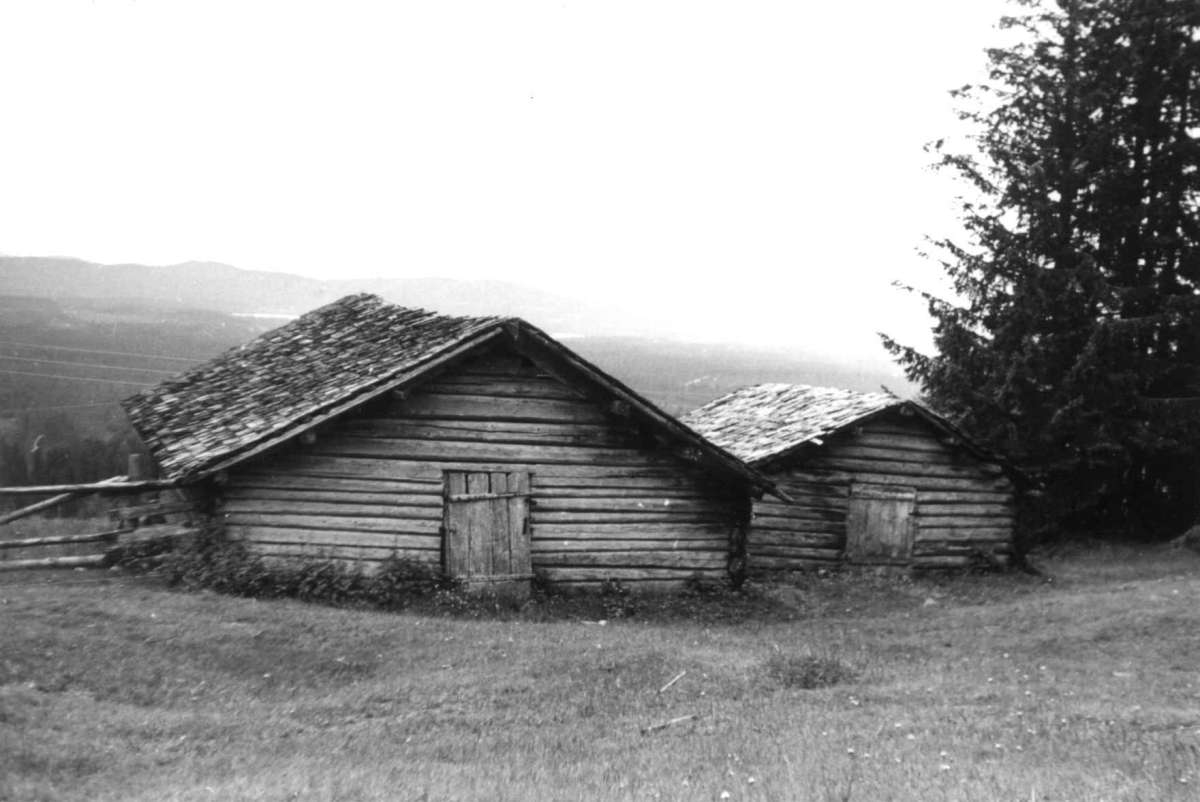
x: 747, y: 171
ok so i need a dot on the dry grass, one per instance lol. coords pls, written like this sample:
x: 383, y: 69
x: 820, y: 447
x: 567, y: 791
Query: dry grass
x: 955, y: 688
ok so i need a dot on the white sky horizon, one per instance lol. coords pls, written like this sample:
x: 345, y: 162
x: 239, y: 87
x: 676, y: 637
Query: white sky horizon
x: 746, y: 172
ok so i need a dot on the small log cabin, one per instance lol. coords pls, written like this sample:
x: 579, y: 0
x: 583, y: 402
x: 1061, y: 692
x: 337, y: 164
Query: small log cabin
x: 871, y: 479
x: 364, y: 430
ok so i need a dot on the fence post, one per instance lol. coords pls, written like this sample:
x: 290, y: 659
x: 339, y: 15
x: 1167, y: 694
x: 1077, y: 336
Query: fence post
x: 137, y: 471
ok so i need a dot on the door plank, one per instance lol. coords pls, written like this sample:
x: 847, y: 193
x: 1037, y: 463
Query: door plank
x: 478, y: 515
x: 456, y: 531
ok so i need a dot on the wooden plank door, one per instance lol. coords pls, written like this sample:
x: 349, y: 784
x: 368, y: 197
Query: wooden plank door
x: 880, y: 523
x: 486, y: 525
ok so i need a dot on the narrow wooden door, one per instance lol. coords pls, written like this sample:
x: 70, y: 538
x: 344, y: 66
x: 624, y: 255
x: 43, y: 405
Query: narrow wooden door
x: 486, y: 515
x: 880, y: 523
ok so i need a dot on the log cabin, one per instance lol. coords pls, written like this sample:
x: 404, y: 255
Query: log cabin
x: 364, y: 430
x: 870, y: 478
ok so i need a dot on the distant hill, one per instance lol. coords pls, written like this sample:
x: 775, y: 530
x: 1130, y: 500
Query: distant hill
x: 223, y: 288
x: 189, y: 312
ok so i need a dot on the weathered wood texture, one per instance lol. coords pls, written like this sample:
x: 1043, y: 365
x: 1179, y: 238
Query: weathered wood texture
x: 605, y: 500
x: 963, y: 509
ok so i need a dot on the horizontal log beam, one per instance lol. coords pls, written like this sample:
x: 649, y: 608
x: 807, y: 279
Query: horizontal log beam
x: 964, y: 533
x: 928, y: 443
x: 340, y: 553
x: 629, y: 505
x: 941, y: 521
x: 336, y: 523
x: 689, y: 560
x: 562, y: 434
x: 427, y: 470
x: 297, y: 479
x: 458, y: 451
x: 797, y: 488
x: 792, y: 559
x: 529, y: 387
x: 332, y: 537
x: 913, y: 469
x: 619, y: 493
x: 317, y: 496
x: 648, y: 517
x: 921, y: 483
x: 482, y: 407
x: 659, y: 479
x: 365, y: 565
x: 964, y: 496
x: 806, y: 501
x: 617, y: 531
x: 937, y: 456
x: 798, y: 512
x: 599, y: 574
x: 546, y: 546
x: 768, y: 539
x: 767, y: 522
x: 347, y: 510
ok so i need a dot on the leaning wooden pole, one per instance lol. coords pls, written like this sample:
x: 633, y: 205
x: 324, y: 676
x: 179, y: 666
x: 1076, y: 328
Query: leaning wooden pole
x: 115, y: 485
x: 16, y: 515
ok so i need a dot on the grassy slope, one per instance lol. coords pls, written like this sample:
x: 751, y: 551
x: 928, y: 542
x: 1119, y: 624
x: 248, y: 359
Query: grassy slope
x: 982, y: 688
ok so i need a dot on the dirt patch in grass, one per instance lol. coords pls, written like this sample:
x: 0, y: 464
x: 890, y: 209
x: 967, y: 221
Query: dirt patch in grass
x: 808, y: 671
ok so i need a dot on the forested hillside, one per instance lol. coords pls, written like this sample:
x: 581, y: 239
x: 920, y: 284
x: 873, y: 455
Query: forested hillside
x: 64, y: 367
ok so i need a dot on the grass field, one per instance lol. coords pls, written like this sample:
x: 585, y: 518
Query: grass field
x: 1086, y: 687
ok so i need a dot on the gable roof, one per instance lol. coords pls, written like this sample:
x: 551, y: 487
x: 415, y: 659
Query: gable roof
x: 328, y: 362
x: 767, y: 421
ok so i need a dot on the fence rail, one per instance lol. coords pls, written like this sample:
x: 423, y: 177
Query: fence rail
x: 155, y: 510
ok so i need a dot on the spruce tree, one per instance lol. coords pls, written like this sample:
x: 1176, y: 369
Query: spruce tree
x: 1073, y: 341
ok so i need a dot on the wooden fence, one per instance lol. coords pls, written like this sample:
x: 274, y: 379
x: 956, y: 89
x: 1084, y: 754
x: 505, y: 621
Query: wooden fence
x: 142, y: 510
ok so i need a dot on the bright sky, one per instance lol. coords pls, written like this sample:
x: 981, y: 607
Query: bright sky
x: 740, y: 170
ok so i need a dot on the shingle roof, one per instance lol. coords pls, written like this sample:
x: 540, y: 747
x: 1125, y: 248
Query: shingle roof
x: 279, y: 380
x: 763, y: 421
x: 327, y: 362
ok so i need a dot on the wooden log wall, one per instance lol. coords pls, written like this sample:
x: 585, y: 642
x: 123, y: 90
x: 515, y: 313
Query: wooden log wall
x: 964, y: 510
x: 607, y: 501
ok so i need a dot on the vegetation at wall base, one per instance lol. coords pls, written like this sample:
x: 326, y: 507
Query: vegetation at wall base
x: 1073, y: 345
x: 210, y: 562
